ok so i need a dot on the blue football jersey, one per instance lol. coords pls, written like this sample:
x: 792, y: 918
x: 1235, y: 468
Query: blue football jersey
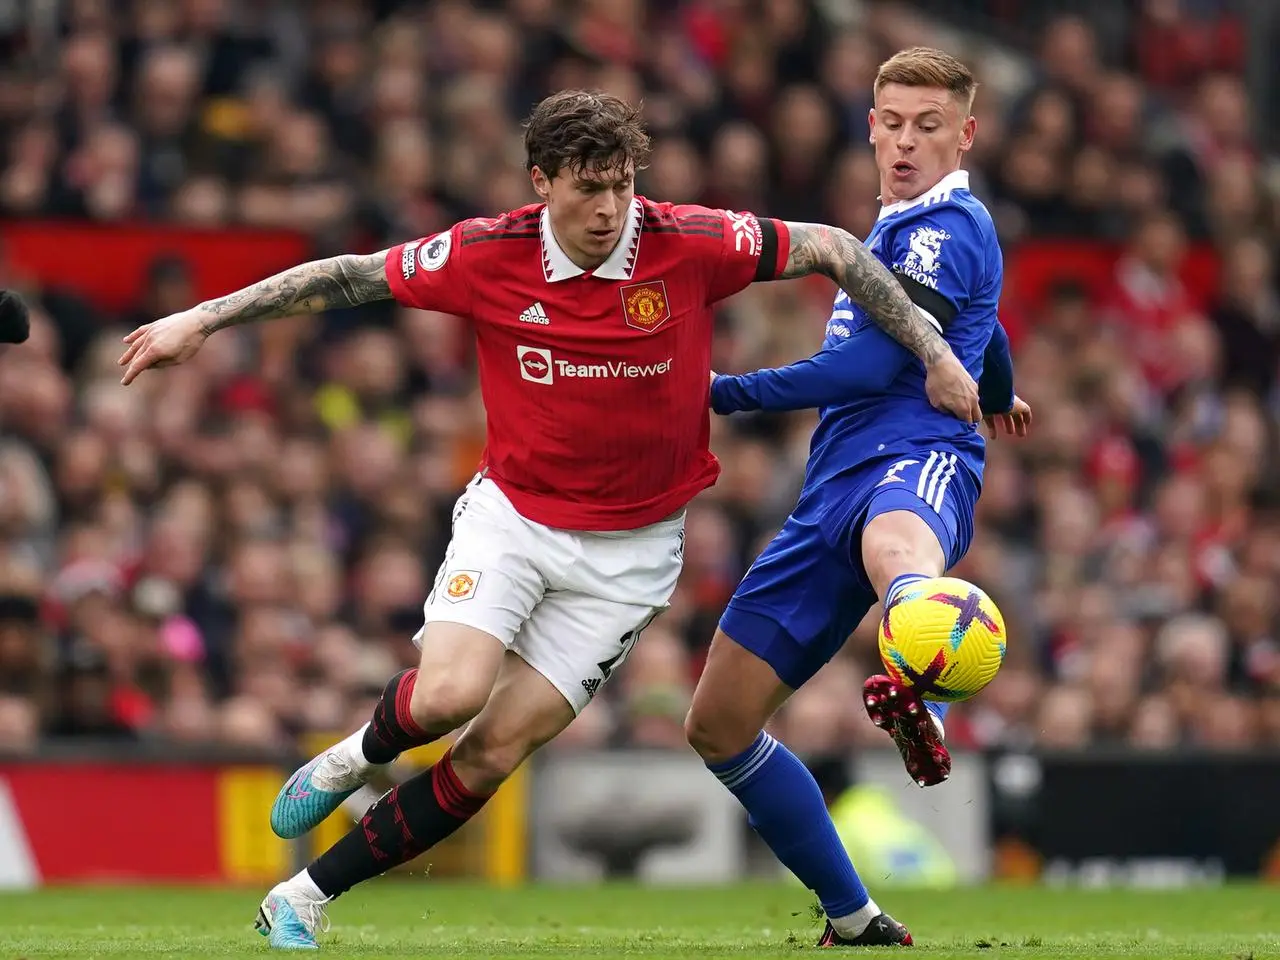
x: 943, y: 246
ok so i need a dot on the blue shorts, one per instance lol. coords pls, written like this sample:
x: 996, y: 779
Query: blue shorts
x: 808, y: 591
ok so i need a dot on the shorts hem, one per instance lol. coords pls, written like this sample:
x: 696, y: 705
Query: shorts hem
x: 574, y: 704
x: 890, y: 501
x: 761, y: 634
x: 443, y: 617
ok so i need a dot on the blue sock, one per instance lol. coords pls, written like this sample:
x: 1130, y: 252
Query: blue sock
x: 785, y: 806
x: 900, y: 583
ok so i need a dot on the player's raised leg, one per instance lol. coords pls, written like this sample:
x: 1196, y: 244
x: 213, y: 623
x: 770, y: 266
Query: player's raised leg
x: 754, y: 664
x: 523, y: 712
x: 484, y: 592
x: 566, y: 648
x: 448, y: 687
x: 900, y: 548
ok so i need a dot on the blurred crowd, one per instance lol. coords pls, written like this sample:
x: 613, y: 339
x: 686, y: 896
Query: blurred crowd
x: 237, y: 552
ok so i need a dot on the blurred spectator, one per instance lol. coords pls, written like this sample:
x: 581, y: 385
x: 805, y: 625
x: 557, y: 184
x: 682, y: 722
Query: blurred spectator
x: 1248, y: 317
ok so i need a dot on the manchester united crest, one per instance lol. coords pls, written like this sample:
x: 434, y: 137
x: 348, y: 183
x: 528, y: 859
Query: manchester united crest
x: 461, y: 585
x: 645, y: 305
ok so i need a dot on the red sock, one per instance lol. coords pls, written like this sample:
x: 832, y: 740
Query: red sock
x: 452, y: 794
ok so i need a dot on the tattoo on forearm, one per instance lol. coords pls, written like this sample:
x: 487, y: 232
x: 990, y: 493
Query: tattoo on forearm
x: 344, y: 281
x: 817, y: 248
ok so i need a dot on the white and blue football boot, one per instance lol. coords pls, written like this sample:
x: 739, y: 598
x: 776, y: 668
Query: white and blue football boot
x: 290, y: 916
x: 319, y: 787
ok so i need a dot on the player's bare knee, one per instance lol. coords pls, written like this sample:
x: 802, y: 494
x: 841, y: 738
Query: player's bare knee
x: 484, y: 764
x: 896, y: 543
x: 889, y: 552
x: 701, y: 735
x: 715, y: 738
x: 445, y: 701
x: 484, y: 771
x: 734, y: 699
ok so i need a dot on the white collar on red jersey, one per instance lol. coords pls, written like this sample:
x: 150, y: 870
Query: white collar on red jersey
x: 957, y: 180
x: 556, y: 264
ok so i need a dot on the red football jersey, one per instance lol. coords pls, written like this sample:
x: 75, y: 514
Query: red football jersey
x: 595, y: 382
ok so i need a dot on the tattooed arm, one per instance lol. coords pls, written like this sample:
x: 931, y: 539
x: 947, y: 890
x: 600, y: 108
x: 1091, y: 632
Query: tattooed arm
x: 835, y: 253
x: 344, y: 281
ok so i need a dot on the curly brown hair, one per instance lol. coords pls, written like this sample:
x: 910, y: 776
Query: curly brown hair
x: 583, y: 130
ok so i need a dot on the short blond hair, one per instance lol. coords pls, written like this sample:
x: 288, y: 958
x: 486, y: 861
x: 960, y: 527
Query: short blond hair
x: 928, y: 67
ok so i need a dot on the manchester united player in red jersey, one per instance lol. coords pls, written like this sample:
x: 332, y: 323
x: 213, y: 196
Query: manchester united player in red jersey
x: 592, y: 312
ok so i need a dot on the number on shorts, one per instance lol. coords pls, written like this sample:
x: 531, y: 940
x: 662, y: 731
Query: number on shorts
x: 627, y: 640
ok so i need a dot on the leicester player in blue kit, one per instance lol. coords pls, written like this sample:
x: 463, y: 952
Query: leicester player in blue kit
x: 889, y: 493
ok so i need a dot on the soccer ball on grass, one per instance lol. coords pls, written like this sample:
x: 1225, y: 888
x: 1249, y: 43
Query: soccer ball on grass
x: 943, y: 637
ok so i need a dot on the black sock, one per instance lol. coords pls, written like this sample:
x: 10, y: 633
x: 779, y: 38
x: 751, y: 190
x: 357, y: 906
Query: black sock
x: 393, y: 730
x: 411, y: 818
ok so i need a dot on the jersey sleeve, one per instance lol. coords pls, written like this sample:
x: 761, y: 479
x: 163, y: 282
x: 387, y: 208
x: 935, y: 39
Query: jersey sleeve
x: 430, y: 274
x: 995, y: 386
x: 736, y: 249
x: 939, y: 259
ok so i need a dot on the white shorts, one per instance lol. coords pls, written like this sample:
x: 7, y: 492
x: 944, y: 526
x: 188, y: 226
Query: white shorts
x: 570, y: 603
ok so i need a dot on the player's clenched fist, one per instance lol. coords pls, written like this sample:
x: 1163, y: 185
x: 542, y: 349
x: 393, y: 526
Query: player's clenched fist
x: 162, y: 343
x: 950, y: 388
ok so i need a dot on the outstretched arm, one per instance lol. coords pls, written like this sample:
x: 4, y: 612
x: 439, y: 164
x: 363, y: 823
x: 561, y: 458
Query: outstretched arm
x: 343, y: 281
x: 863, y: 365
x: 835, y: 253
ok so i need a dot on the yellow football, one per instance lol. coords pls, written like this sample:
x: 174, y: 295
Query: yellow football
x: 944, y: 637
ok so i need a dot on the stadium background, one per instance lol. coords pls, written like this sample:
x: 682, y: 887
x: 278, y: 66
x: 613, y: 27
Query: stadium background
x: 210, y: 573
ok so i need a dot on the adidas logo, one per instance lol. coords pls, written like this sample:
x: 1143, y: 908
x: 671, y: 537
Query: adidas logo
x: 535, y: 314
x: 591, y: 686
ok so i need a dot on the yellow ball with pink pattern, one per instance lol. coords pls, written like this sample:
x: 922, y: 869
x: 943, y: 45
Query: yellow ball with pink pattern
x: 944, y: 637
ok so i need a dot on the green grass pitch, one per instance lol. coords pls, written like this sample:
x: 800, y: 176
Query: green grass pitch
x: 399, y: 919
